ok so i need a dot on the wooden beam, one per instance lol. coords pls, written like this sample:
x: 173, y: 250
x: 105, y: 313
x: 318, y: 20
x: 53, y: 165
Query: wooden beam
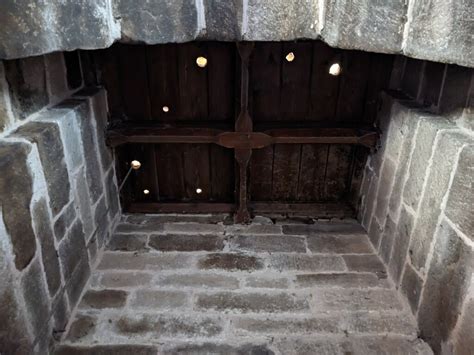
x: 181, y: 207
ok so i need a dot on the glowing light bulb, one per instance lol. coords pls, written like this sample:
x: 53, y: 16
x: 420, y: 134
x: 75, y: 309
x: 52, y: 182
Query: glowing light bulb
x: 335, y: 69
x: 135, y: 164
x: 146, y: 192
x: 198, y: 190
x: 166, y: 109
x: 290, y: 57
x: 201, y: 62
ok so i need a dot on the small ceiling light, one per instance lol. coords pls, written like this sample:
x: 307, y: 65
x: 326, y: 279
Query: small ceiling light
x: 201, y: 62
x: 146, y: 192
x: 135, y: 164
x: 290, y: 57
x: 166, y: 109
x: 198, y: 190
x: 335, y: 69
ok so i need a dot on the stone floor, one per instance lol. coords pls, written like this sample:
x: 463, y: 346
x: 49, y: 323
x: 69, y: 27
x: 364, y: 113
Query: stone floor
x: 199, y: 286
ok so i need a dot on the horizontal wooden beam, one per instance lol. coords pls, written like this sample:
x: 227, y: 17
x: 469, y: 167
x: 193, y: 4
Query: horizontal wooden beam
x: 241, y: 140
x: 313, y: 210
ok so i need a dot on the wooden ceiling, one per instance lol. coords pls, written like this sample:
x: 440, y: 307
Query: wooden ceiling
x: 250, y: 131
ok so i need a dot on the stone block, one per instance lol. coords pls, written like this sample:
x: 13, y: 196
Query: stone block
x: 101, y: 222
x: 388, y: 238
x: 344, y: 280
x: 149, y: 261
x: 459, y: 207
x: 428, y: 129
x: 223, y: 20
x: 375, y: 27
x: 35, y: 294
x: 56, y: 78
x: 6, y: 113
x: 27, y: 84
x: 268, y: 20
x: 61, y: 314
x: 401, y: 245
x: 384, y: 191
x: 160, y: 21
x: 83, y: 201
x: 44, y: 232
x: 89, y: 144
x: 336, y: 227
x: 82, y: 328
x: 158, y: 299
x: 127, y: 242
x: 81, y: 24
x: 77, y: 282
x: 124, y: 279
x: 104, y: 299
x: 47, y: 137
x: 365, y: 263
x: 106, y: 350
x: 446, y: 286
x: 132, y: 225
x: 370, y: 201
x: 64, y: 221
x: 315, y: 263
x: 230, y: 262
x: 72, y: 249
x: 210, y: 348
x: 437, y: 183
x: 441, y: 31
x: 463, y: 341
x: 252, y: 229
x: 268, y: 243
x: 199, y: 281
x: 141, y: 220
x: 193, y: 228
x: 267, y: 282
x: 375, y: 232
x: 172, y: 326
x: 16, y: 189
x: 411, y: 287
x: 340, y: 244
x: 326, y: 300
x: 184, y: 242
x: 251, y: 302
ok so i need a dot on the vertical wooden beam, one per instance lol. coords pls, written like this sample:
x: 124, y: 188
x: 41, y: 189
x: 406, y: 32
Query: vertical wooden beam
x: 243, y: 124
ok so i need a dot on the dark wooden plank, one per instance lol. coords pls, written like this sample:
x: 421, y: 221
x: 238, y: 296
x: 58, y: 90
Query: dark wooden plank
x: 338, y: 172
x: 184, y: 207
x: 134, y: 81
x: 313, y: 210
x: 296, y: 80
x: 145, y: 178
x: 312, y: 172
x: 265, y: 76
x: 193, y: 89
x: 221, y: 81
x: 286, y: 163
x: 353, y: 87
x: 261, y: 167
x: 324, y: 87
x: 163, y: 80
x: 222, y: 174
x: 169, y: 162
x: 196, y: 171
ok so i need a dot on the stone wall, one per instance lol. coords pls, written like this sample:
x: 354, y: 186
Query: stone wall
x: 437, y: 30
x: 58, y: 197
x: 417, y: 197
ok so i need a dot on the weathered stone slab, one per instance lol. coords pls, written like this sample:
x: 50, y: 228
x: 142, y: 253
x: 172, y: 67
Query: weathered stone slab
x: 459, y: 207
x: 386, y: 182
x: 447, y: 282
x: 101, y: 221
x: 16, y: 189
x: 127, y: 242
x: 340, y: 244
x: 123, y: 279
x: 251, y: 302
x: 81, y: 24
x: 56, y: 76
x: 112, y: 194
x: 223, y: 20
x: 267, y: 282
x: 172, y: 326
x: 411, y: 287
x: 82, y: 328
x: 106, y: 350
x: 441, y: 31
x: 280, y: 20
x: 336, y: 227
x: 132, y: 261
x: 253, y: 229
x: 344, y: 280
x: 268, y: 243
x: 77, y: 282
x: 316, y: 263
x: 72, y: 249
x: 6, y: 113
x: 104, y: 299
x: 48, y: 140
x: 199, y: 281
x: 158, y: 299
x: 84, y: 203
x: 210, y: 348
x: 230, y: 261
x: 463, y: 341
x: 160, y: 21
x: 183, y: 242
x: 387, y: 240
x: 64, y: 220
x: 193, y: 228
x: 141, y: 220
x: 365, y: 263
x: 44, y: 232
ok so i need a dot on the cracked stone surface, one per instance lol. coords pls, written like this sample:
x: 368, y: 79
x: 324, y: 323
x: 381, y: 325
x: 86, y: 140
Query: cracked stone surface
x: 202, y: 287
